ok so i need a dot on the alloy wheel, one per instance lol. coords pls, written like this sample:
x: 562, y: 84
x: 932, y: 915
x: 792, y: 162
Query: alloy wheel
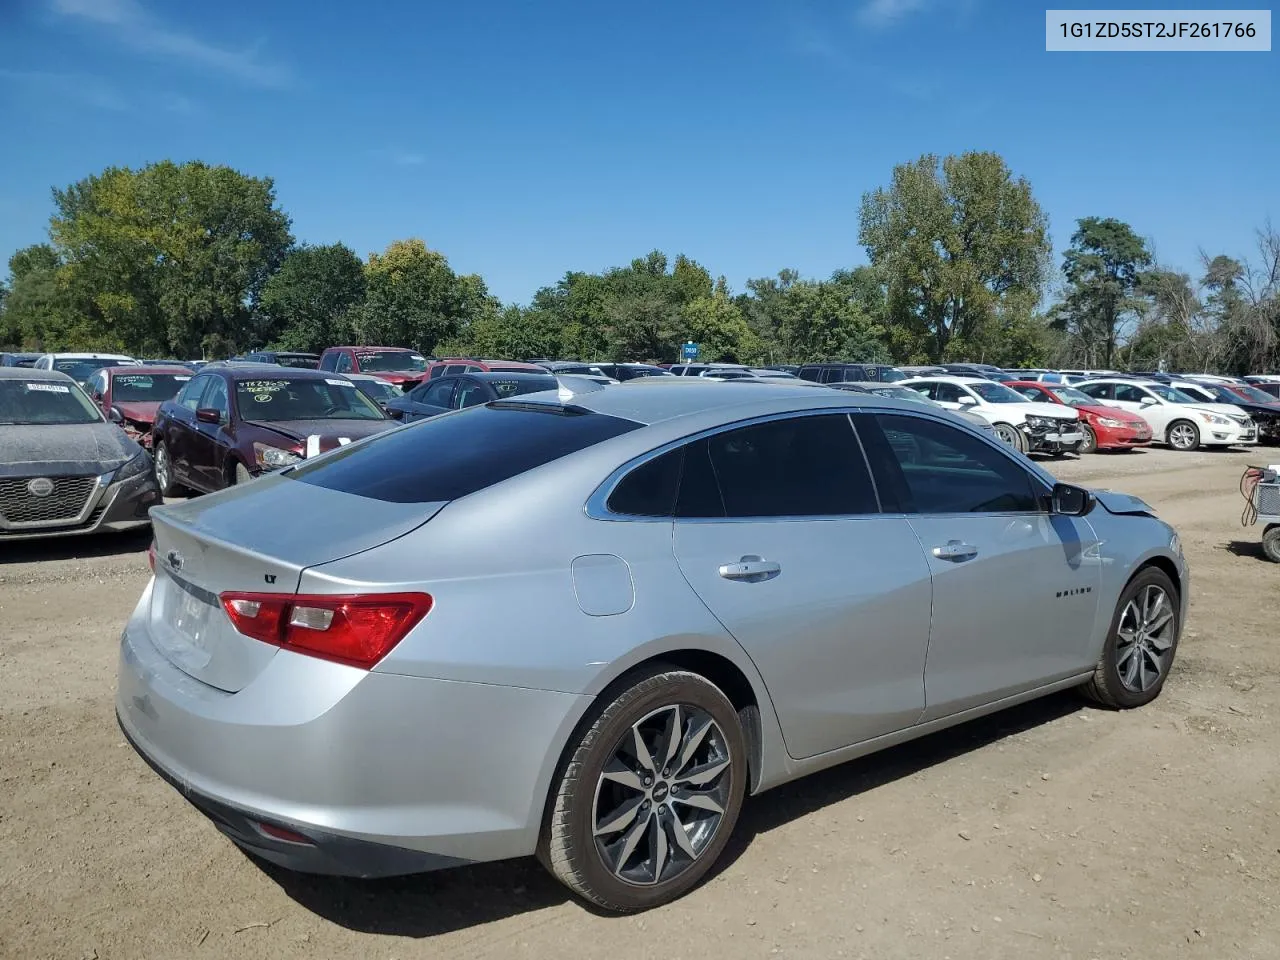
x: 661, y: 797
x: 1145, y: 638
x: 1007, y: 434
x: 1183, y: 436
x: 162, y: 466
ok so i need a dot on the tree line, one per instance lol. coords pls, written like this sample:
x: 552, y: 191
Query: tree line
x: 193, y: 260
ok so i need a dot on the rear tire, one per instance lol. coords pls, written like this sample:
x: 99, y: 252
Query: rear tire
x: 1271, y: 543
x: 649, y: 793
x: 1141, y: 643
x: 1183, y: 435
x: 1012, y: 436
x: 162, y: 463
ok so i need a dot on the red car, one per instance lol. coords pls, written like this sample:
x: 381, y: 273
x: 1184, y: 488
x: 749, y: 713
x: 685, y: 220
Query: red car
x: 398, y: 365
x: 131, y: 396
x: 234, y: 422
x: 1105, y: 428
x: 451, y: 366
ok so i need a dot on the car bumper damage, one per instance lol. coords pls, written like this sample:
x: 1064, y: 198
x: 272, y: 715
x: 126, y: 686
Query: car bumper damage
x: 71, y: 500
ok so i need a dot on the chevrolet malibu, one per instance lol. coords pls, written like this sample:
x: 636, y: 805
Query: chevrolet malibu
x: 588, y: 626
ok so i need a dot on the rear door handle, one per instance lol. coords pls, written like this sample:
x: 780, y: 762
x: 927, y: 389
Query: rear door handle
x: 750, y: 568
x: 955, y: 550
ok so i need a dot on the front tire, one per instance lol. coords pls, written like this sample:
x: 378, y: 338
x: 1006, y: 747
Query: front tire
x: 162, y: 463
x: 1183, y: 435
x: 649, y: 796
x: 1141, y: 643
x: 240, y: 474
x: 1271, y: 543
x: 1090, y: 442
x: 1012, y: 436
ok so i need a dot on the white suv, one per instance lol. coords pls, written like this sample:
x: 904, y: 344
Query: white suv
x: 1025, y: 426
x: 1179, y: 419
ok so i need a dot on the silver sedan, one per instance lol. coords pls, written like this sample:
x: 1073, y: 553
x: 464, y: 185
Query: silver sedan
x: 587, y: 626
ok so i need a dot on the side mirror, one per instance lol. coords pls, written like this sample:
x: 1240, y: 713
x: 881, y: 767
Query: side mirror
x: 208, y: 415
x: 1071, y: 501
x: 116, y: 416
x: 1148, y: 400
x: 967, y: 401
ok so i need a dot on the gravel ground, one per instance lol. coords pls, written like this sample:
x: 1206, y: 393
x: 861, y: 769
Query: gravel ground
x: 1052, y: 830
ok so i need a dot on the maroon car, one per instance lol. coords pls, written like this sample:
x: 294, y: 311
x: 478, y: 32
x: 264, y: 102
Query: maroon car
x: 397, y: 365
x: 231, y: 423
x: 130, y: 396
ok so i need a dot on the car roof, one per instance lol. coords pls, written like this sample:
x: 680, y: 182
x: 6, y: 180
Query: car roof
x: 652, y: 400
x: 487, y: 376
x: 87, y: 356
x: 28, y: 373
x: 946, y: 378
x: 1122, y: 381
x: 145, y: 368
x: 350, y: 347
x: 250, y: 371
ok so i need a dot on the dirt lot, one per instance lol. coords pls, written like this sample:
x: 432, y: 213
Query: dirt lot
x: 1054, y: 830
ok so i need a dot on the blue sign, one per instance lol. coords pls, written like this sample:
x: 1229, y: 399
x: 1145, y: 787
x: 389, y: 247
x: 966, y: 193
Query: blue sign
x: 689, y: 352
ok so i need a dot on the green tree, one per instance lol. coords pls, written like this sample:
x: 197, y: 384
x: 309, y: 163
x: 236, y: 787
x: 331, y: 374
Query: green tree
x: 1102, y: 267
x: 165, y: 257
x: 306, y: 304
x: 40, y: 311
x: 413, y: 298
x: 716, y: 324
x: 953, y: 241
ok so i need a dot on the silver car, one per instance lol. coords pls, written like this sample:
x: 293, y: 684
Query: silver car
x: 586, y: 626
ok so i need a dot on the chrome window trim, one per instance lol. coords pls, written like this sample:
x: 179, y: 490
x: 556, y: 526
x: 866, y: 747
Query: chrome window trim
x: 596, y: 507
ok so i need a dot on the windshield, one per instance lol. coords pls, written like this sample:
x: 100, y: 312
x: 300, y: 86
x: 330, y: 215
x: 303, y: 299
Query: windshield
x: 1171, y: 394
x: 276, y: 400
x: 82, y: 370
x: 387, y: 361
x: 1254, y: 394
x: 901, y: 393
x: 44, y: 402
x: 993, y: 392
x: 1073, y: 397
x: 146, y: 387
x: 300, y: 362
x: 892, y: 376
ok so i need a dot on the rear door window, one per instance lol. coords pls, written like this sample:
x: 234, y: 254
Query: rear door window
x: 448, y: 457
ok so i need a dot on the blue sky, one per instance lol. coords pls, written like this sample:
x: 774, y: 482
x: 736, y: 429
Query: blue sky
x: 527, y: 139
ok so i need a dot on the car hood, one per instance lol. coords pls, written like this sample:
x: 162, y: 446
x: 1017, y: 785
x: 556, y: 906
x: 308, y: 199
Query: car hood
x: 329, y: 433
x: 63, y: 450
x: 138, y: 411
x: 1020, y: 411
x: 1121, y: 503
x: 1222, y: 409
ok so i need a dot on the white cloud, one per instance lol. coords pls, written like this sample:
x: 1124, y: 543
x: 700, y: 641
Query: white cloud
x: 134, y: 26
x: 873, y: 13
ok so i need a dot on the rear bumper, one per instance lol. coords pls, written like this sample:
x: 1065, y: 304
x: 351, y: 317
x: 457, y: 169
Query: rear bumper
x: 385, y: 774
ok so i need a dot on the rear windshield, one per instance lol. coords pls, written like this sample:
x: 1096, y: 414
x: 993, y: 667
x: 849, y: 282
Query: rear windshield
x: 44, y: 402
x: 82, y: 370
x: 454, y: 455
x: 146, y: 387
x: 319, y: 399
x: 300, y: 361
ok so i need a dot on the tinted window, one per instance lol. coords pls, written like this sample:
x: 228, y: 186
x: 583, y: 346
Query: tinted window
x: 471, y: 393
x: 328, y: 361
x: 451, y: 456
x: 810, y: 373
x: 1128, y: 394
x: 943, y: 470
x: 794, y: 467
x: 189, y: 397
x: 438, y: 394
x: 344, y: 364
x: 947, y: 393
x: 1099, y: 391
x: 455, y: 368
x: 650, y: 489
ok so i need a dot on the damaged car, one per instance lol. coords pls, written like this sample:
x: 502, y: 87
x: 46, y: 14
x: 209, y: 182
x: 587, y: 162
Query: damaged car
x: 234, y: 422
x: 64, y: 468
x: 131, y: 396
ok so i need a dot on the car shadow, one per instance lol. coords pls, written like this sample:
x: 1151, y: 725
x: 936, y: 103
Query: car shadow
x: 86, y: 547
x: 1247, y: 548
x: 427, y: 905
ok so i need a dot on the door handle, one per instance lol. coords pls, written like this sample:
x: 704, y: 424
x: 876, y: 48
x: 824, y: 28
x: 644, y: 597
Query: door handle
x: 955, y: 550
x: 751, y: 569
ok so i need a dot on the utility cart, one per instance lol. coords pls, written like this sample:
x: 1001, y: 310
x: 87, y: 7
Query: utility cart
x: 1260, y: 487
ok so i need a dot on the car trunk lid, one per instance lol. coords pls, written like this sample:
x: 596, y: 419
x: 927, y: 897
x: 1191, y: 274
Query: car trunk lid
x: 254, y: 538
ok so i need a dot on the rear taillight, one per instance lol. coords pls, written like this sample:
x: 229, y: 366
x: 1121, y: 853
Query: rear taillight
x: 357, y: 630
x: 151, y: 556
